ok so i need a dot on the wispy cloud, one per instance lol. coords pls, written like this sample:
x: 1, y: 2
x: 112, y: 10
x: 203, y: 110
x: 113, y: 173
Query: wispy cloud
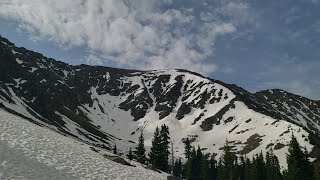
x: 136, y: 34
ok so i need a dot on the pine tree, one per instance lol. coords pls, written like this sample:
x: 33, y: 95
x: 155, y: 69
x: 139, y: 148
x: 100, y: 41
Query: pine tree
x: 115, y: 151
x: 212, y: 168
x: 191, y: 165
x: 187, y: 153
x: 177, y: 168
x: 226, y: 163
x: 172, y: 158
x: 272, y: 167
x: 140, y: 150
x: 242, y: 166
x: 259, y: 167
x: 247, y: 169
x: 154, y: 155
x: 205, y: 167
x: 298, y: 165
x: 276, y: 167
x: 187, y: 148
x: 130, y: 155
x: 198, y: 163
x: 164, y: 146
x: 316, y: 175
x: 180, y: 168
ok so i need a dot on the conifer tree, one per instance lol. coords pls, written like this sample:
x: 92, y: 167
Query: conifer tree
x: 172, y: 157
x: 191, y: 166
x: 164, y: 145
x: 276, y: 167
x: 154, y: 155
x: 177, y: 168
x: 259, y: 167
x: 242, y: 168
x: 130, y: 155
x: 253, y: 165
x: 140, y: 150
x: 247, y: 169
x: 205, y: 167
x: 187, y: 148
x: 272, y: 167
x: 198, y: 163
x: 115, y: 151
x: 212, y: 168
x: 298, y: 165
x: 316, y: 175
x: 187, y: 153
x: 226, y: 163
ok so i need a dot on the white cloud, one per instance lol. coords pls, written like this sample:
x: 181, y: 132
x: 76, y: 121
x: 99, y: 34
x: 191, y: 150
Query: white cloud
x: 135, y: 34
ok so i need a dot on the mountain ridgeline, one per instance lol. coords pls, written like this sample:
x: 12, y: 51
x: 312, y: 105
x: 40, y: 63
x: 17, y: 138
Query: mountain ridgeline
x: 103, y: 106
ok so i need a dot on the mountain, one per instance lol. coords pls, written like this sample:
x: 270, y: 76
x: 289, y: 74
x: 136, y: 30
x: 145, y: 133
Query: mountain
x: 102, y: 106
x: 294, y: 108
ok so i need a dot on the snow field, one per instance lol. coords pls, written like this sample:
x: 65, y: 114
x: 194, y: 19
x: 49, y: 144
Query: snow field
x: 32, y: 152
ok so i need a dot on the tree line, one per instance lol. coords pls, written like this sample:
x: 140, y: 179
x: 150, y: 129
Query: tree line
x: 201, y: 166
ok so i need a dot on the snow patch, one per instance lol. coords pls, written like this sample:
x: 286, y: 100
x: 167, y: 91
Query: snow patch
x: 33, y: 69
x: 14, y: 52
x: 43, y: 81
x: 19, y: 61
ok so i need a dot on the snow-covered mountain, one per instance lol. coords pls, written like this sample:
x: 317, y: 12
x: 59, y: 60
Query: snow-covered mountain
x: 103, y: 106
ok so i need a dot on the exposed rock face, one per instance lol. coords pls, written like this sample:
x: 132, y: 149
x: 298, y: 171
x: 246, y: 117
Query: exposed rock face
x: 300, y: 110
x: 103, y: 106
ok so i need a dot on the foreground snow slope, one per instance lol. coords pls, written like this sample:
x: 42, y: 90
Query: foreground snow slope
x: 28, y: 151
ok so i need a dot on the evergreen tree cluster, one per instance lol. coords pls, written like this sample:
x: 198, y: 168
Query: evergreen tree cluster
x: 140, y: 150
x: 298, y: 165
x: 159, y: 155
x: 200, y: 166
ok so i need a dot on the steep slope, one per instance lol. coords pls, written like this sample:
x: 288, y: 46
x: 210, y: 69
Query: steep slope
x: 32, y: 152
x: 300, y: 110
x: 103, y: 106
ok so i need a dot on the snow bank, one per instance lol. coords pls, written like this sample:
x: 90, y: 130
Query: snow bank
x: 28, y: 151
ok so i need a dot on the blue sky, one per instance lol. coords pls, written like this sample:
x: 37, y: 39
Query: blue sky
x: 254, y: 44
